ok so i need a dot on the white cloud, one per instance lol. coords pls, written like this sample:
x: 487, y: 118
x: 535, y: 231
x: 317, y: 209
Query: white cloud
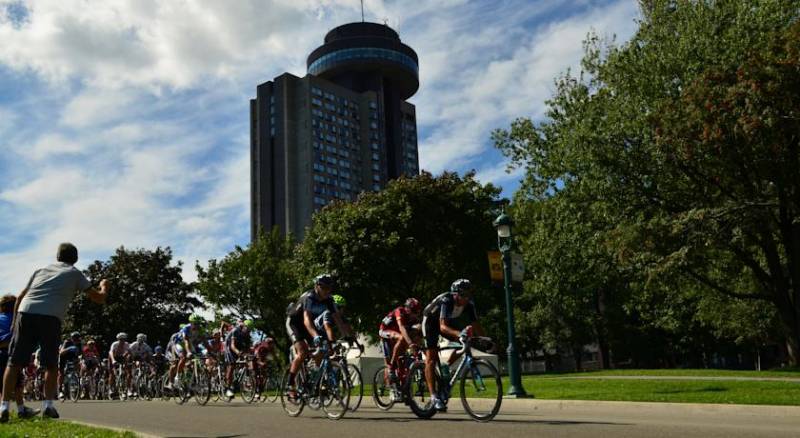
x: 135, y: 130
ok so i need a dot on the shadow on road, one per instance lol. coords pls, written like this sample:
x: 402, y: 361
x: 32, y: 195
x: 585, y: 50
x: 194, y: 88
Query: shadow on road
x: 351, y: 417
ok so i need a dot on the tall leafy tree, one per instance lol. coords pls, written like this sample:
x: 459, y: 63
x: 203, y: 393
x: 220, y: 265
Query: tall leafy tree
x: 688, y: 134
x: 148, y: 296
x: 253, y: 282
x: 412, y: 239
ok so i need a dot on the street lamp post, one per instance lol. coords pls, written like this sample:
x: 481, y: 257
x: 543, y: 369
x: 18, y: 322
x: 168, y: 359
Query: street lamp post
x: 503, y: 225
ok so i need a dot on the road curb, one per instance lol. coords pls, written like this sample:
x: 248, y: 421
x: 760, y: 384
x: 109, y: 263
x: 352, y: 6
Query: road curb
x: 114, y: 428
x: 655, y: 407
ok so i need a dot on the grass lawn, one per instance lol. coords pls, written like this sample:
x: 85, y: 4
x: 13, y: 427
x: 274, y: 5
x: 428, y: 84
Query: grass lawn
x: 676, y: 391
x: 791, y: 373
x: 39, y: 427
x: 561, y: 387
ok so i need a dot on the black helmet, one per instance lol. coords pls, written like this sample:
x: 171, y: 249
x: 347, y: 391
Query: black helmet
x: 324, y: 280
x: 461, y: 285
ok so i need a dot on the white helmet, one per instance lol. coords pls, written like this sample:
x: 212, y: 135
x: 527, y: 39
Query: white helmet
x: 141, y: 337
x: 122, y: 336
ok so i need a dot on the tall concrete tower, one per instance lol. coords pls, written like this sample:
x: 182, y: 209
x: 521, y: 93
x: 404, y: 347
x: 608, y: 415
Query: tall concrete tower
x: 342, y: 129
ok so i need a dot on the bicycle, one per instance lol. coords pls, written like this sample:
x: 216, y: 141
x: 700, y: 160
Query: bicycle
x: 352, y: 372
x: 71, y: 382
x: 385, y: 393
x: 268, y: 384
x: 325, y: 387
x: 245, y: 379
x: 483, y: 376
x: 194, y: 381
x: 140, y: 380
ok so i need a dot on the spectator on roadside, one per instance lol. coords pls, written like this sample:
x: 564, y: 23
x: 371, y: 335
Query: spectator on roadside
x: 39, y: 310
x: 6, y: 320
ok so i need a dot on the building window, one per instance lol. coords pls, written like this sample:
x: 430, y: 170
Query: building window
x: 375, y: 166
x: 315, y: 101
x: 316, y: 91
x: 376, y: 178
x: 375, y: 156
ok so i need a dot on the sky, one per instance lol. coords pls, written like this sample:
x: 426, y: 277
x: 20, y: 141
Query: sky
x: 126, y: 123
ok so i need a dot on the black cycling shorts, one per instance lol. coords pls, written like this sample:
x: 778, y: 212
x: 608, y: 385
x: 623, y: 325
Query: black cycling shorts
x: 297, y: 331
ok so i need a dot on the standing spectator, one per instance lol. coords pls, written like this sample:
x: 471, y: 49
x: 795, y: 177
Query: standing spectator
x: 39, y: 310
x: 7, y: 303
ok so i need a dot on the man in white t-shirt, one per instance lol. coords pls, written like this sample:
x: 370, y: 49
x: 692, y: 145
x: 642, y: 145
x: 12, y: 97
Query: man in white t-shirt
x: 40, y: 309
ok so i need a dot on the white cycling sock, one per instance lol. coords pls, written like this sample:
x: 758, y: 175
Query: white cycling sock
x: 4, y: 406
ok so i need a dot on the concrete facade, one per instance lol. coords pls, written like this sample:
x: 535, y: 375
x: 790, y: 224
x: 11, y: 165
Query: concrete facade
x: 343, y: 129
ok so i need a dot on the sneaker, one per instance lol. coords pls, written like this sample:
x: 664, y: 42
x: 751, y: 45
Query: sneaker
x: 439, y: 404
x: 130, y: 393
x: 50, y: 412
x: 4, y: 416
x: 27, y: 412
x: 61, y: 395
x: 229, y: 393
x: 168, y: 386
x: 396, y: 396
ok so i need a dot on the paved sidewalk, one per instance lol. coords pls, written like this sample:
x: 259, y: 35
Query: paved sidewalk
x: 717, y: 378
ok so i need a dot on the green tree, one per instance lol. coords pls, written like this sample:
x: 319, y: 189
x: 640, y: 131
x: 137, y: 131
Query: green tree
x: 253, y: 282
x: 687, y: 134
x: 412, y: 239
x: 148, y: 295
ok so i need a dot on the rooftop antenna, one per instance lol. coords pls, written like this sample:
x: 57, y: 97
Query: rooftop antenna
x: 362, y: 11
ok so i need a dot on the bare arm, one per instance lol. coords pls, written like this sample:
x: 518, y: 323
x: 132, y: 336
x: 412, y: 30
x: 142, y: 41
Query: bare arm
x: 404, y: 332
x: 98, y: 295
x: 447, y: 330
x: 309, y: 323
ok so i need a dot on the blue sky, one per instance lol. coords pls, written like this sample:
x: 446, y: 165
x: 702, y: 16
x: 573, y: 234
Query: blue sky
x: 125, y: 123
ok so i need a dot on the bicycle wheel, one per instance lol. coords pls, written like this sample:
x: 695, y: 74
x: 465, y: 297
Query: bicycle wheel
x: 247, y: 386
x: 416, y: 389
x: 334, y: 391
x: 485, y: 390
x: 382, y: 390
x: 73, y: 388
x: 166, y: 394
x: 201, y: 386
x: 294, y: 403
x: 272, y: 388
x: 356, y: 385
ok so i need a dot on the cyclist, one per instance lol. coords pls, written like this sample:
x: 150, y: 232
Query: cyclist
x: 140, y: 351
x: 237, y: 344
x: 397, y: 333
x: 69, y: 351
x: 215, y: 348
x: 308, y: 319
x: 118, y: 356
x: 183, y: 346
x: 264, y: 353
x: 91, y: 357
x: 439, y: 318
x: 159, y: 361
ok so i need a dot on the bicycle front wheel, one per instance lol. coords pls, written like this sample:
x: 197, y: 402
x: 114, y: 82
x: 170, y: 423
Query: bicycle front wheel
x: 382, y: 390
x: 291, y: 399
x: 481, y: 390
x: 417, y: 394
x: 334, y: 391
x: 73, y: 388
x: 356, y: 385
x: 272, y: 388
x: 202, y: 386
x: 247, y: 386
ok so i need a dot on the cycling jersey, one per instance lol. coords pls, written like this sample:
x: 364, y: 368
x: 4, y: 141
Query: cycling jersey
x: 215, y: 346
x: 119, y: 349
x: 70, y: 350
x: 195, y: 337
x: 398, y: 316
x: 140, y: 350
x: 238, y: 337
x: 444, y: 307
x: 321, y: 312
x: 90, y: 351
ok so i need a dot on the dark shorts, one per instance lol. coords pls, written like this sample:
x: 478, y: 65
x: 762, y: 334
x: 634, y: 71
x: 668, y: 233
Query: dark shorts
x: 430, y: 330
x: 32, y: 331
x: 297, y: 331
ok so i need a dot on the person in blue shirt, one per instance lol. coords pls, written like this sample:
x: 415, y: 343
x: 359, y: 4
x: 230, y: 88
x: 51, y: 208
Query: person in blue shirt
x: 7, y: 303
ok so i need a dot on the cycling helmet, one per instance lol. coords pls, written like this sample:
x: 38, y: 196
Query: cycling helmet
x: 195, y: 318
x: 413, y: 305
x: 269, y: 340
x: 159, y: 349
x: 461, y: 285
x: 324, y: 280
x: 216, y: 332
x: 90, y: 342
x: 121, y: 336
x: 249, y: 323
x: 339, y: 300
x: 75, y: 335
x: 141, y: 337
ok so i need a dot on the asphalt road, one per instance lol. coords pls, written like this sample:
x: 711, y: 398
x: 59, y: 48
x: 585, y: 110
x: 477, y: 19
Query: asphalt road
x: 518, y: 418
